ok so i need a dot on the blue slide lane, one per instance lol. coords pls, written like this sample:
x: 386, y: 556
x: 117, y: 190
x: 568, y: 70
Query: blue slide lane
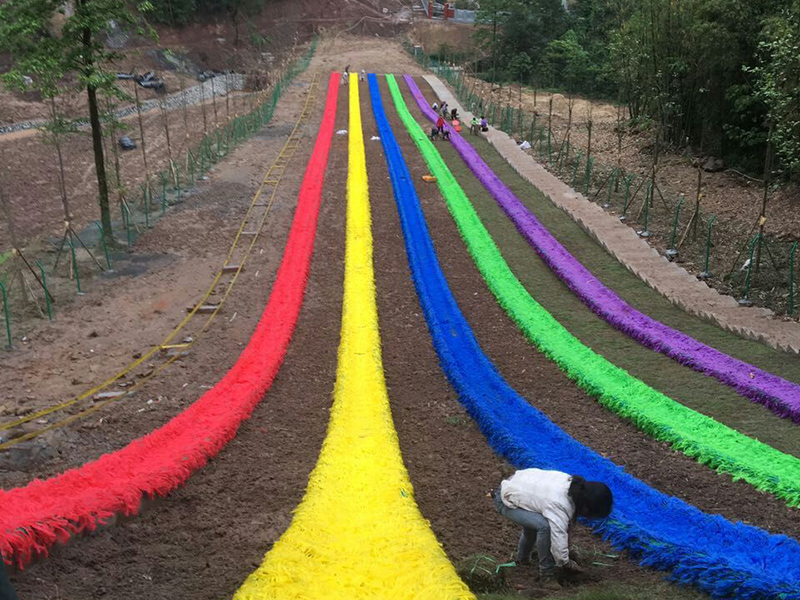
x: 722, y: 558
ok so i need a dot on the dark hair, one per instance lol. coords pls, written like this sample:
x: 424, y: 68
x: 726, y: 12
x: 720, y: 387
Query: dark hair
x: 592, y: 499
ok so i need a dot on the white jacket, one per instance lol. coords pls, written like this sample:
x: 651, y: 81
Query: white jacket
x: 544, y: 492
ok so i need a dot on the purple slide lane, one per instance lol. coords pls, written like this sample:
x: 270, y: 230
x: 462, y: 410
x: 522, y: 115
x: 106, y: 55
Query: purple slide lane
x: 778, y: 394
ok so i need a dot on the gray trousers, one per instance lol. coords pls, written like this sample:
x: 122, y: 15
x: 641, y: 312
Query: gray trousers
x: 535, y: 531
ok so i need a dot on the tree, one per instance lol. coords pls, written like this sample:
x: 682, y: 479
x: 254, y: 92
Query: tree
x: 778, y: 74
x: 565, y: 62
x: 241, y: 8
x: 508, y: 28
x: 72, y: 54
x: 174, y: 12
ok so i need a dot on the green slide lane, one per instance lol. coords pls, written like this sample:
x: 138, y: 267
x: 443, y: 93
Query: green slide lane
x: 692, y: 433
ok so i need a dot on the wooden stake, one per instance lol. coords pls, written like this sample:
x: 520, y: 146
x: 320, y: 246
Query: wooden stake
x: 165, y: 117
x: 214, y: 99
x: 141, y: 135
x: 203, y: 106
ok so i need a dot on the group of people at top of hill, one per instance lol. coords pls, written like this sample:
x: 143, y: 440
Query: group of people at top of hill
x: 345, y: 76
x: 444, y: 112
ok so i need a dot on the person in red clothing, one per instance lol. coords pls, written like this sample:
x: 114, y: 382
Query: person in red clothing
x: 440, y: 124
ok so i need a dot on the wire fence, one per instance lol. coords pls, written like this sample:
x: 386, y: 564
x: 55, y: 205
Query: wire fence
x: 747, y: 263
x: 31, y: 281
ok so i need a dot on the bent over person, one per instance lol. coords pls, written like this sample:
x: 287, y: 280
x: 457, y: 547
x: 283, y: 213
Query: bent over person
x: 545, y: 503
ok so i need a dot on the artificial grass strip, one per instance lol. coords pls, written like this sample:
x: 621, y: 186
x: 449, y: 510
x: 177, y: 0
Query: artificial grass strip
x: 688, y: 431
x: 780, y: 395
x: 722, y: 558
x: 36, y: 516
x: 358, y: 533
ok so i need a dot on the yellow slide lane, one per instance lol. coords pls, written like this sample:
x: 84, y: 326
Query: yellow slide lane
x: 358, y: 533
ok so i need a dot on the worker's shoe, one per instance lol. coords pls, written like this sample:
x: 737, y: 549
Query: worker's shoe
x: 548, y: 582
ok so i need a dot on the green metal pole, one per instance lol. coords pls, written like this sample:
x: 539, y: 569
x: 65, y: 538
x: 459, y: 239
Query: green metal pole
x: 146, y: 207
x: 46, y: 291
x: 103, y: 242
x: 672, y: 252
x: 612, y: 182
x: 5, y: 312
x: 791, y: 278
x: 628, y: 181
x: 589, y: 166
x: 178, y: 181
x: 575, y: 167
x: 645, y: 233
x: 706, y: 274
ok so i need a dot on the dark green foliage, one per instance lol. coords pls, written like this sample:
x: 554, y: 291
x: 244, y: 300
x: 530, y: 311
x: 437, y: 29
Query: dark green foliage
x: 710, y: 73
x: 181, y: 12
x: 174, y: 12
x: 778, y: 82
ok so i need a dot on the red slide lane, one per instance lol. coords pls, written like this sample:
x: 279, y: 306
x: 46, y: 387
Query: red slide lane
x: 34, y: 517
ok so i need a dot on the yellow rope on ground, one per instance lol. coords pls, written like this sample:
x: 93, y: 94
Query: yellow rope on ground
x: 358, y: 533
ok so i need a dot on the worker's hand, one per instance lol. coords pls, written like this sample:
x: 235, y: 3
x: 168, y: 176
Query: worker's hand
x: 573, y: 567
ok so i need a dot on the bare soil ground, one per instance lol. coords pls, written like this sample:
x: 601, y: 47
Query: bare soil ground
x: 202, y: 541
x: 28, y: 167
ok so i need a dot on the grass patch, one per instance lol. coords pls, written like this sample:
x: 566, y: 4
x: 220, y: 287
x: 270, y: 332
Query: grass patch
x: 482, y: 574
x: 457, y: 421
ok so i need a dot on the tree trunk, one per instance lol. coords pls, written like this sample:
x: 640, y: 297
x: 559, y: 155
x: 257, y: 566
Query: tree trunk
x: 100, y: 165
x: 235, y: 19
x: 97, y: 142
